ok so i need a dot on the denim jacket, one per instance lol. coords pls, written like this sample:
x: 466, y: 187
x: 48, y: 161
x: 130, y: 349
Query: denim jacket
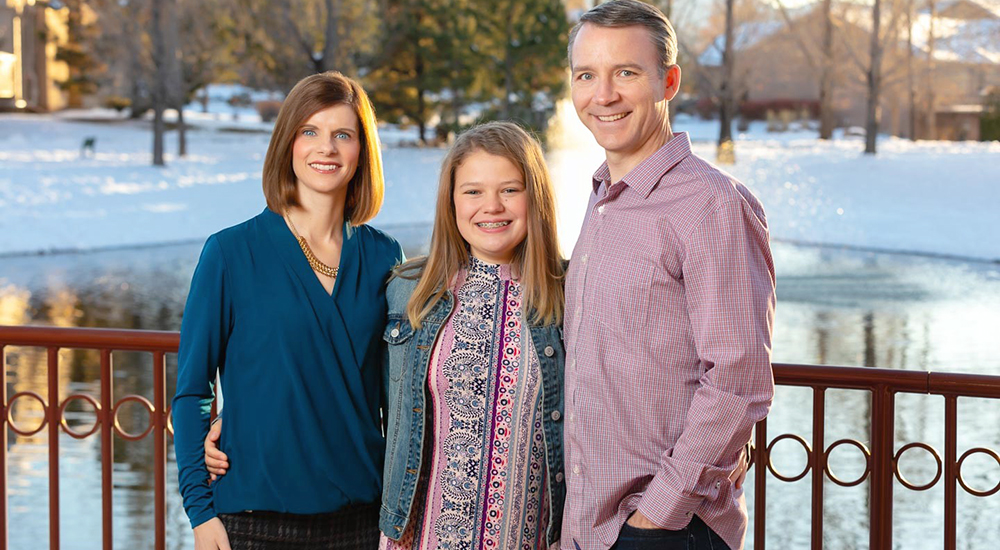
x: 405, y: 379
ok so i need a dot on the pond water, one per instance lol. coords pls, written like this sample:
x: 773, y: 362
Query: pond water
x: 836, y: 307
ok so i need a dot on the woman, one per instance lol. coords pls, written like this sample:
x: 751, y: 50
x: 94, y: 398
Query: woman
x: 475, y: 326
x: 289, y: 306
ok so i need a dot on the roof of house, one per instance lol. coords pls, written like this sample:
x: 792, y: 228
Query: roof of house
x: 959, y: 40
x: 955, y: 40
x: 745, y: 36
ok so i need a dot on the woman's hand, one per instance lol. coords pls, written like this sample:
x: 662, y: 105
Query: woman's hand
x: 216, y: 461
x: 211, y: 535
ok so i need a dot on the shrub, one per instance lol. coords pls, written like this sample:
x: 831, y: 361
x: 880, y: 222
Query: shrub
x: 268, y: 109
x: 117, y: 103
x: 989, y: 121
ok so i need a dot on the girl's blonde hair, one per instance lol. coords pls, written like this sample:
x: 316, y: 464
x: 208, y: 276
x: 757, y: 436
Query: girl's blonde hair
x: 537, y: 260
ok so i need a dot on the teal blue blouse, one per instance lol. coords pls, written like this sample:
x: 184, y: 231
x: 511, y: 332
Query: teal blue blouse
x: 300, y: 368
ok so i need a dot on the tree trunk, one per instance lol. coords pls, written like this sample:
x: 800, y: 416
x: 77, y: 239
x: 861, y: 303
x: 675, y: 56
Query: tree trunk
x: 331, y: 42
x: 910, y: 81
x: 421, y: 99
x: 181, y: 133
x: 508, y: 63
x: 874, y: 80
x: 160, y: 82
x: 826, y: 121
x: 726, y: 151
x: 931, y: 113
x: 178, y: 92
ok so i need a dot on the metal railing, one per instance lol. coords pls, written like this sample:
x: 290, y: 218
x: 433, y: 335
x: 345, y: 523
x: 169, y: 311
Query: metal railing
x: 881, y: 460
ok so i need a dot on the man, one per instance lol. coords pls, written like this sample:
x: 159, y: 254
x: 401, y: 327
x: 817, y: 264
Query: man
x: 669, y: 309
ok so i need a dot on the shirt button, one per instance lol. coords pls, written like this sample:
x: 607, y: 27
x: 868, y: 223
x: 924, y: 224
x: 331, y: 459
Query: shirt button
x: 689, y: 514
x: 718, y: 484
x: 572, y: 364
x: 560, y: 477
x: 576, y: 469
x: 394, y: 333
x: 556, y: 415
x: 600, y: 209
x: 549, y: 351
x: 572, y: 417
x: 584, y: 258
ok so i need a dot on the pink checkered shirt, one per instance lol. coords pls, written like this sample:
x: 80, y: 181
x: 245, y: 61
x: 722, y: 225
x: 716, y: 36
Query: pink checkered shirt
x: 669, y: 309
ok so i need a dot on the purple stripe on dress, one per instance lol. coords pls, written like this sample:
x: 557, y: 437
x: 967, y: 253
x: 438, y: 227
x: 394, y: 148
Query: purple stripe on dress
x: 493, y: 415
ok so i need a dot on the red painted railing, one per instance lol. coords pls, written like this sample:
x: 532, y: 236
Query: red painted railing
x: 881, y: 460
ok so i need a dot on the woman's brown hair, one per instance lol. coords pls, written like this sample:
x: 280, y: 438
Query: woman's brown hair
x: 537, y: 260
x: 311, y: 95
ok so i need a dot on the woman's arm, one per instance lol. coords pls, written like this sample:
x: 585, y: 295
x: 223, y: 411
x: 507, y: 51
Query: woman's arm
x: 205, y: 333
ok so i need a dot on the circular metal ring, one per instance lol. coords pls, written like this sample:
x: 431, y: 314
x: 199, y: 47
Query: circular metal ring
x: 118, y: 406
x: 864, y: 451
x: 899, y: 475
x: 97, y: 415
x: 961, y: 480
x: 10, y: 413
x: 805, y: 445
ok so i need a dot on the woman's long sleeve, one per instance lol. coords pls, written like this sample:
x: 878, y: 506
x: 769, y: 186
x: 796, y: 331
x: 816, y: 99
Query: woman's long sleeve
x: 205, y: 329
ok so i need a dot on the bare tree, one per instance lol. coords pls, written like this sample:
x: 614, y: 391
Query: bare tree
x: 874, y: 76
x: 931, y: 100
x: 825, y: 64
x: 727, y: 97
x: 910, y: 80
x: 826, y: 119
x: 160, y: 79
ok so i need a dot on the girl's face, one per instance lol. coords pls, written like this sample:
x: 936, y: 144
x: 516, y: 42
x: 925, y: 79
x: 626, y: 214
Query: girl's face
x: 326, y: 151
x: 491, y: 206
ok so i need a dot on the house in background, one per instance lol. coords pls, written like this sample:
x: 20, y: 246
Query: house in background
x: 30, y: 31
x: 779, y: 62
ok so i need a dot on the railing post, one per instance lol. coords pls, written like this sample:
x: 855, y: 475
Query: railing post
x: 3, y: 450
x: 107, y: 446
x: 818, y: 460
x: 160, y: 446
x: 883, y: 443
x: 52, y: 413
x: 760, y: 484
x: 950, y: 471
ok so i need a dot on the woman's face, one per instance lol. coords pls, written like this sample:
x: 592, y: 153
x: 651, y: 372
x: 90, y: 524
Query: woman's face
x: 491, y: 206
x: 326, y: 151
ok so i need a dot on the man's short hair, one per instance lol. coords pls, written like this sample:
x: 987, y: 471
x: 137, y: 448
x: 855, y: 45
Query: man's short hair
x: 626, y: 13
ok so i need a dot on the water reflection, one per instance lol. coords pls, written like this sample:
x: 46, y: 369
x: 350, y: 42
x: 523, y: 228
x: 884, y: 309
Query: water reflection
x: 835, y: 307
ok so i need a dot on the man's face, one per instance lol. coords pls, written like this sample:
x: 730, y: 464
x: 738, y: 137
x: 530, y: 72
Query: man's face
x: 618, y: 90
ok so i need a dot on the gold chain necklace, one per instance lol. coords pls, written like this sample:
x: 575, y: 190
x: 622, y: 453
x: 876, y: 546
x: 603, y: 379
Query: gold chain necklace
x: 318, y: 266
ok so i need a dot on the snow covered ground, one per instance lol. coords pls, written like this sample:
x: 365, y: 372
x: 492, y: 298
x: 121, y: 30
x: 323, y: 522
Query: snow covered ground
x: 939, y: 198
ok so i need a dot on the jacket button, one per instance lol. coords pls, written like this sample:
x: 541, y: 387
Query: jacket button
x: 394, y: 333
x: 549, y: 352
x: 556, y: 415
x: 560, y: 477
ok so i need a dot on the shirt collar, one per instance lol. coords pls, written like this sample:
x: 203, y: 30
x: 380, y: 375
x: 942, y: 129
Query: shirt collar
x: 644, y: 177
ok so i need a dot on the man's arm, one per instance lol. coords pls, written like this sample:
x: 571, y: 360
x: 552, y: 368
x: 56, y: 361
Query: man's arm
x: 729, y: 288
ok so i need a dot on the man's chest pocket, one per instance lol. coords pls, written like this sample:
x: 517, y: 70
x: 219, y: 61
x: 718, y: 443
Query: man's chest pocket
x: 621, y: 301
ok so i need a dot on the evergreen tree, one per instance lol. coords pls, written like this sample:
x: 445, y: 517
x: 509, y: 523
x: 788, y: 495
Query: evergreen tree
x: 414, y: 63
x: 73, y: 52
x: 523, y: 47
